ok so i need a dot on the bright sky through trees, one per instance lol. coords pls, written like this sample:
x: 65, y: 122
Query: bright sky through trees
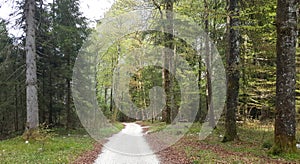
x: 92, y: 9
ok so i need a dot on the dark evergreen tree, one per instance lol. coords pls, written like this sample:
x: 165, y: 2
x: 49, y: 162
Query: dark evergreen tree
x: 70, y: 30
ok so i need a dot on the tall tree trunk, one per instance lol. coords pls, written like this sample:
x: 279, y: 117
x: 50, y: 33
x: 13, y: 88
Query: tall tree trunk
x: 208, y: 70
x: 51, y: 91
x: 164, y: 71
x: 68, y: 83
x: 16, y: 122
x: 112, y: 82
x: 285, y: 122
x: 50, y: 117
x: 43, y: 110
x: 174, y: 93
x: 168, y: 59
x: 105, y: 98
x: 31, y: 76
x: 200, y: 113
x: 22, y: 106
x: 68, y: 104
x: 144, y: 116
x: 111, y: 99
x: 233, y: 74
x: 16, y: 95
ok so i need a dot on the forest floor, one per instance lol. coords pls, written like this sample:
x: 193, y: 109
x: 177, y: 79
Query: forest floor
x: 61, y: 146
x: 253, y: 146
x: 53, y: 146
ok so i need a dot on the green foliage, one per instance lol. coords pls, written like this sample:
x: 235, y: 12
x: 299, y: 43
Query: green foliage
x: 12, y: 77
x: 258, y: 55
x: 60, y: 32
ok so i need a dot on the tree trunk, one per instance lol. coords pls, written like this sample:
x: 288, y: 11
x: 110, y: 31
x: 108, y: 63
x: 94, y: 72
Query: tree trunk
x: 285, y: 122
x: 233, y: 74
x: 105, y: 98
x: 43, y: 109
x: 208, y: 71
x: 68, y: 83
x: 200, y: 113
x: 174, y: 92
x: 16, y: 122
x: 68, y: 104
x: 168, y: 58
x: 31, y: 76
x: 50, y: 117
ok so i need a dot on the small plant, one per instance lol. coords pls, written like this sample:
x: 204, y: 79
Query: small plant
x: 275, y: 150
x: 42, y: 133
x: 196, y: 162
x: 267, y: 144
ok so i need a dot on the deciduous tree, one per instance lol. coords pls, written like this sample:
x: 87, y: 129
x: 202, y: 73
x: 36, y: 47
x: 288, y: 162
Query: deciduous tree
x: 233, y: 74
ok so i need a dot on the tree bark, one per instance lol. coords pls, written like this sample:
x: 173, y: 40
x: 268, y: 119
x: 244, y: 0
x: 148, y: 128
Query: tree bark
x: 208, y: 54
x: 285, y: 119
x: 68, y: 84
x: 31, y: 76
x: 68, y: 104
x: 168, y: 58
x: 50, y: 117
x: 200, y: 113
x: 233, y: 74
x: 16, y: 122
x: 105, y: 98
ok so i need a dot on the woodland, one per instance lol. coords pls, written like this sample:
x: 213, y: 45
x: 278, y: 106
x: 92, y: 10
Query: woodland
x: 257, y: 42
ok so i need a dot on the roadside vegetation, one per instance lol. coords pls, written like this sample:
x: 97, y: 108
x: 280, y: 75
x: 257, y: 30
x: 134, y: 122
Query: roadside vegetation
x: 253, y: 146
x: 51, y: 146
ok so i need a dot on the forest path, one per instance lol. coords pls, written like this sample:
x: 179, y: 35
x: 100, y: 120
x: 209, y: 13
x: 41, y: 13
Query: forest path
x: 127, y: 147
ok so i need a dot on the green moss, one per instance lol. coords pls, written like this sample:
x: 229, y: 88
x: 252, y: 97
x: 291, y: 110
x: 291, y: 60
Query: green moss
x: 283, y: 144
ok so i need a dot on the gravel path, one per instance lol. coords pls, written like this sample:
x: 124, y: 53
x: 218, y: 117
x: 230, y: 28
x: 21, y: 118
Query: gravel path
x: 127, y: 147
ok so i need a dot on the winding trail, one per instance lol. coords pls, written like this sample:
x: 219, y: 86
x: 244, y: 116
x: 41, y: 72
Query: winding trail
x: 127, y: 147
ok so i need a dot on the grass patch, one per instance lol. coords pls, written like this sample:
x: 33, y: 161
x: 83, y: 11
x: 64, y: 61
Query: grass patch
x: 63, y: 146
x: 255, y: 143
x: 107, y: 132
x: 57, y: 149
x: 155, y: 126
x: 118, y: 125
x: 172, y: 129
x: 256, y: 140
